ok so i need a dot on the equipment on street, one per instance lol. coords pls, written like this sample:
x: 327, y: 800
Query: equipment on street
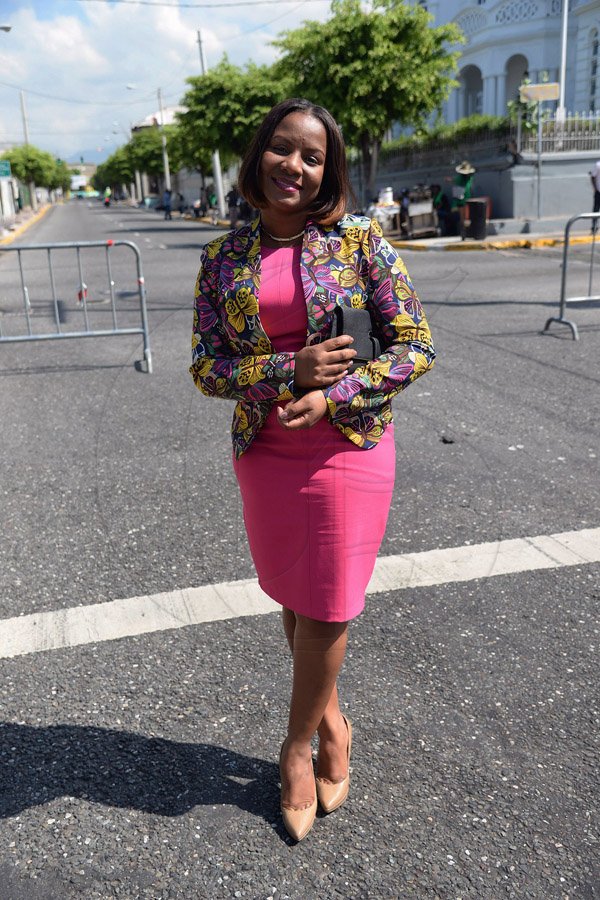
x: 417, y: 216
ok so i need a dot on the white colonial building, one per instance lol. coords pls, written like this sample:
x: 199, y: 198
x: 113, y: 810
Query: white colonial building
x: 507, y: 39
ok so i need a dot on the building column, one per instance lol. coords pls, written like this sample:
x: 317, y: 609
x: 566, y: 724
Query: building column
x: 501, y: 95
x: 489, y: 95
x: 457, y: 115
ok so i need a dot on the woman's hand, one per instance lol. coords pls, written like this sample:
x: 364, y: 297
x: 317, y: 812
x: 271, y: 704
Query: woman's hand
x: 321, y: 365
x: 303, y: 413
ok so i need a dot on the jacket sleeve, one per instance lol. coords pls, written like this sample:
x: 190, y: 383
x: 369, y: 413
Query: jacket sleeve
x: 402, y: 324
x: 216, y: 369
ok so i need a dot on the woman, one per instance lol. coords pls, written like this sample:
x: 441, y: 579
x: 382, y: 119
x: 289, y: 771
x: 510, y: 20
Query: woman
x: 313, y: 444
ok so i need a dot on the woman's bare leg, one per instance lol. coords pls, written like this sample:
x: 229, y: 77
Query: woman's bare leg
x: 318, y: 649
x: 333, y: 734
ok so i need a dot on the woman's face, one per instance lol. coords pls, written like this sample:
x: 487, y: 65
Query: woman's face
x: 292, y: 166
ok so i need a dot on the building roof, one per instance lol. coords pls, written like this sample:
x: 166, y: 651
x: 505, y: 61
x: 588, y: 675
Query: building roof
x: 154, y: 118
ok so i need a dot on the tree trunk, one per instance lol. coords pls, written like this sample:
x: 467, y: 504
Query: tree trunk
x: 374, y: 166
x: 365, y: 151
x: 369, y: 147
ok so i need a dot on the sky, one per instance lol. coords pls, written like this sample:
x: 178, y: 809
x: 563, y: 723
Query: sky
x: 89, y: 69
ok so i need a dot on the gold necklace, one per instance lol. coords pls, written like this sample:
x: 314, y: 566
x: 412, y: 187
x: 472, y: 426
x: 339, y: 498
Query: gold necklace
x: 282, y: 240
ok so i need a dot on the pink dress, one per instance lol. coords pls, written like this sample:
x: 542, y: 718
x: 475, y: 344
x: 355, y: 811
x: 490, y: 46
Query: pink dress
x: 315, y: 505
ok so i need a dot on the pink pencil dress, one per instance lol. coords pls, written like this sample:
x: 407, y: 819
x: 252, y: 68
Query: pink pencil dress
x: 315, y: 505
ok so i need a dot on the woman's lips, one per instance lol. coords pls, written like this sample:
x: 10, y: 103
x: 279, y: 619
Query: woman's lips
x: 286, y: 186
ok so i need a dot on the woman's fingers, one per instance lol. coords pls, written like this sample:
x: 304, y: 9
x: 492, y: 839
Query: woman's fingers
x: 323, y: 364
x: 303, y: 413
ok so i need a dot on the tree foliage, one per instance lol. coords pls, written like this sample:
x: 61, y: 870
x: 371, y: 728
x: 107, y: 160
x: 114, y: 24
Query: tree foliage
x: 226, y: 106
x: 142, y: 152
x: 371, y: 68
x: 29, y: 164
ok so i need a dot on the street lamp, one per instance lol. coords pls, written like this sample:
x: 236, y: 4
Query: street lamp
x: 133, y: 87
x: 561, y: 111
x: 217, y: 174
x: 163, y: 139
x: 32, y: 196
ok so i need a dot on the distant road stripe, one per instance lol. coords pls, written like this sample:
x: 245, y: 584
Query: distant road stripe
x: 213, y: 602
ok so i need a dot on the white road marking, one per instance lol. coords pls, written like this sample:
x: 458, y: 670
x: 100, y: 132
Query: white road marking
x: 116, y: 619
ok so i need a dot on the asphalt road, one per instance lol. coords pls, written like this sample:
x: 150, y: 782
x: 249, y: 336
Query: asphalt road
x: 146, y: 767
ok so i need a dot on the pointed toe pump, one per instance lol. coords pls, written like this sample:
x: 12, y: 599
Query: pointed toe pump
x: 298, y: 822
x: 331, y: 795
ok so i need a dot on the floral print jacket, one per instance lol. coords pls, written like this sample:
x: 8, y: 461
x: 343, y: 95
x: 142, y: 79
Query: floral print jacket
x: 349, y: 263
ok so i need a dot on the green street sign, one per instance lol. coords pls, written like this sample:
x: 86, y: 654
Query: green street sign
x: 4, y: 168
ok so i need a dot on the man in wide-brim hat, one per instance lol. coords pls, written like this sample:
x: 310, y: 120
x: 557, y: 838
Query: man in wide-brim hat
x: 462, y: 191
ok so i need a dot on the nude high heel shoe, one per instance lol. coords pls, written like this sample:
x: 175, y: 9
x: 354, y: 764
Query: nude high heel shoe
x: 298, y: 822
x: 332, y: 795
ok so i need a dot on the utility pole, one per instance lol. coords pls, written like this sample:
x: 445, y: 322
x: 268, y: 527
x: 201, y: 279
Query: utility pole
x: 216, y: 159
x: 163, y: 138
x: 32, y: 196
x: 561, y: 112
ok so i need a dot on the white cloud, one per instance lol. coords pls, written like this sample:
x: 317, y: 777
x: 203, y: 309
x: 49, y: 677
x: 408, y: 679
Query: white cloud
x: 93, y: 53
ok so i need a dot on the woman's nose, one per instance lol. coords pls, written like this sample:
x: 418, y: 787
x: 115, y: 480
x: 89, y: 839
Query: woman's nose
x: 293, y: 162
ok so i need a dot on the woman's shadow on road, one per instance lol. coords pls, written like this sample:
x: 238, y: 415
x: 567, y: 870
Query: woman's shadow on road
x: 121, y: 769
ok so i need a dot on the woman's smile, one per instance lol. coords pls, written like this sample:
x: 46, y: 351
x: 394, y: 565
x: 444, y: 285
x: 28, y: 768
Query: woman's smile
x: 287, y: 186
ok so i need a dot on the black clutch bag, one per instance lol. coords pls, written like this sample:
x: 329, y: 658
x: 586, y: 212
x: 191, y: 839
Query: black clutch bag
x: 358, y: 323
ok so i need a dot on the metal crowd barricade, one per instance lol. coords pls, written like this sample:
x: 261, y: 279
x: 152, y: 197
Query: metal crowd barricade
x: 82, y: 294
x: 589, y: 298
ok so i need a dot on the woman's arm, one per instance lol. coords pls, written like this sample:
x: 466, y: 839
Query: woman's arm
x: 219, y: 373
x: 401, y: 322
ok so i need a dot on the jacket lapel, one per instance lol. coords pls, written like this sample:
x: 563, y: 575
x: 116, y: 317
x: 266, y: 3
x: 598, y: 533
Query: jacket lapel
x: 318, y: 268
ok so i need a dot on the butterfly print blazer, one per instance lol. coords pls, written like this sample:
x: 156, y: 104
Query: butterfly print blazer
x: 348, y: 263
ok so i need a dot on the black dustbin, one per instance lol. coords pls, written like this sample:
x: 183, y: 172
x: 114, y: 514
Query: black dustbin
x: 478, y: 219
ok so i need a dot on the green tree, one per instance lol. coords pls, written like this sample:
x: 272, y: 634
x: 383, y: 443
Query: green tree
x: 186, y: 150
x: 144, y: 150
x: 60, y: 177
x: 371, y: 68
x: 225, y: 106
x: 28, y: 164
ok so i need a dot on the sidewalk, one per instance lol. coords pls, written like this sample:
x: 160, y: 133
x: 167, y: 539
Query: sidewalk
x: 492, y: 242
x: 23, y: 220
x: 454, y: 244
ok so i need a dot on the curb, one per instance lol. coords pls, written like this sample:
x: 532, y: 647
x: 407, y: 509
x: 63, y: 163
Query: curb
x: 514, y: 243
x: 19, y: 231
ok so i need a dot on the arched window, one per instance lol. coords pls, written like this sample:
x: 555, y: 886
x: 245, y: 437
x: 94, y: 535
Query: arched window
x: 593, y: 67
x: 471, y: 88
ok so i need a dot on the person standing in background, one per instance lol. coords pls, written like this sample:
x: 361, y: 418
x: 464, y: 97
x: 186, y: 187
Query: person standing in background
x: 233, y: 200
x: 462, y: 191
x: 595, y: 178
x: 167, y: 204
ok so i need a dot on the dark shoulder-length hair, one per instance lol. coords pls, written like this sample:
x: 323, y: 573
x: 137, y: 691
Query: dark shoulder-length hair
x: 330, y: 203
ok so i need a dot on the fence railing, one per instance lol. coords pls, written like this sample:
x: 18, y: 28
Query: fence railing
x: 589, y: 297
x: 45, y: 303
x: 576, y: 132
x: 444, y: 152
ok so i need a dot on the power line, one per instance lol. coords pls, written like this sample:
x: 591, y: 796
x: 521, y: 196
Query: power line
x: 227, y: 3
x: 113, y: 103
